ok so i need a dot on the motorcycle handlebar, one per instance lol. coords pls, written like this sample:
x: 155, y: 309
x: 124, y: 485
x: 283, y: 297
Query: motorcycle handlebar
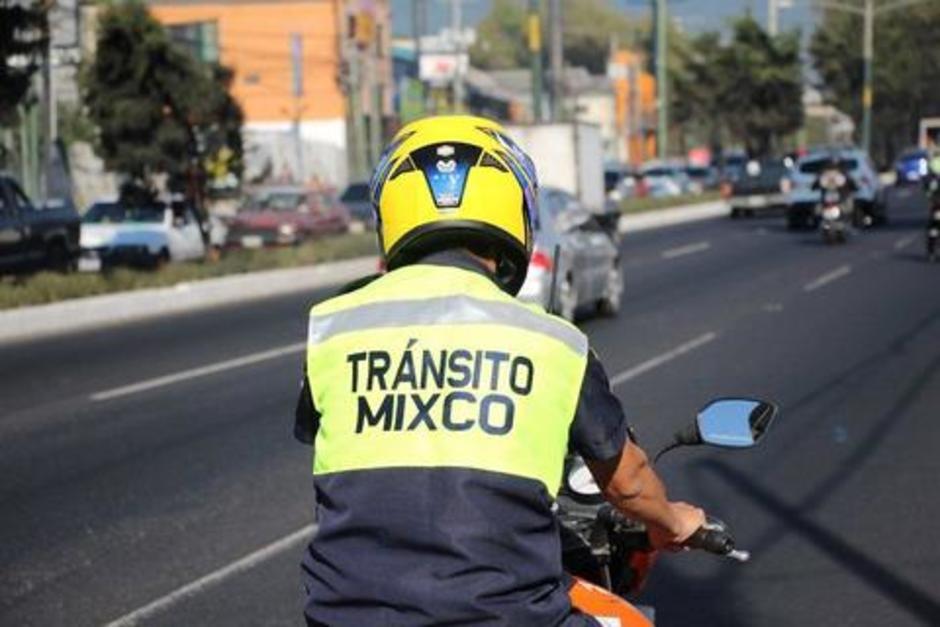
x: 715, y: 538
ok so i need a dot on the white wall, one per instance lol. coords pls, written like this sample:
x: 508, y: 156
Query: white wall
x: 272, y: 143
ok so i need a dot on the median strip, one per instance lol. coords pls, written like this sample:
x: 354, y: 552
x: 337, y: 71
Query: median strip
x: 827, y: 278
x: 251, y: 560
x: 659, y: 360
x: 202, y: 371
x: 689, y: 249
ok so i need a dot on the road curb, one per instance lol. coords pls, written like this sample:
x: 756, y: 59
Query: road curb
x: 98, y: 311
x: 668, y: 217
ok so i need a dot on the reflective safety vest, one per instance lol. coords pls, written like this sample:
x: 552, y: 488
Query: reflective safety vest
x: 434, y: 366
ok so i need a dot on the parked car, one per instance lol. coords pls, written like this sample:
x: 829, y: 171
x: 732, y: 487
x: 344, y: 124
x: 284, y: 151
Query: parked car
x: 762, y: 186
x: 731, y: 165
x: 115, y: 233
x: 665, y: 179
x: 286, y: 215
x: 912, y: 166
x: 358, y: 200
x: 32, y: 237
x: 803, y: 200
x: 574, y: 252
x: 702, y: 177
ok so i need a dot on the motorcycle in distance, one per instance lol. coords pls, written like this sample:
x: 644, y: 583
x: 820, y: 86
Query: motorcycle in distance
x: 834, y: 218
x: 933, y: 220
x: 609, y: 555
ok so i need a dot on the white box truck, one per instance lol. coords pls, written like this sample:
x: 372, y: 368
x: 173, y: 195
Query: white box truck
x: 569, y: 156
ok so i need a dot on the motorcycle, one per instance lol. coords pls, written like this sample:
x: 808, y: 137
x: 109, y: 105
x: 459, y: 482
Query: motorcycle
x: 933, y: 222
x: 610, y: 556
x: 834, y: 218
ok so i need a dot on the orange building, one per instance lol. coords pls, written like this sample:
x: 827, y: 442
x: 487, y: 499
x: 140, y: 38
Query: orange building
x: 635, y: 94
x: 289, y: 58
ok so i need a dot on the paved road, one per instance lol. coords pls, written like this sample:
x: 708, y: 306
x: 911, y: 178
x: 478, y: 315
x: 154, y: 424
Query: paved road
x: 150, y: 468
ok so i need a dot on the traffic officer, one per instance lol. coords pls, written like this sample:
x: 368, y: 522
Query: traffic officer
x: 441, y: 408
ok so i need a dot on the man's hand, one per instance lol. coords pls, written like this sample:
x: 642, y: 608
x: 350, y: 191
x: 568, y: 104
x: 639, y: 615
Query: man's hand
x: 688, y: 519
x: 629, y: 484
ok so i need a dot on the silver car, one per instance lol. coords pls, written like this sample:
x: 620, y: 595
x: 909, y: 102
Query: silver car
x: 577, y: 254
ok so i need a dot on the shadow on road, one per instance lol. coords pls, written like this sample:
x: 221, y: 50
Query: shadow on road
x: 903, y: 593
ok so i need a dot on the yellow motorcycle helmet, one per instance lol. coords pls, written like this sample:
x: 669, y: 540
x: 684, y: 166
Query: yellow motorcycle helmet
x: 456, y: 181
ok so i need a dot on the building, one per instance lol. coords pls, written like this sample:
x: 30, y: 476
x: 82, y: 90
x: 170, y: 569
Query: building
x: 312, y: 76
x: 636, y: 113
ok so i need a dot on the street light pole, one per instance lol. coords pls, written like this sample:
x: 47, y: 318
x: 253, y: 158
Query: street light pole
x: 868, y: 52
x: 535, y: 50
x: 662, y: 80
x: 868, y: 13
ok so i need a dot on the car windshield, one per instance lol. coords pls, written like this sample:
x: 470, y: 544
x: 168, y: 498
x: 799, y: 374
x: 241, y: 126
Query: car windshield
x: 276, y: 201
x: 357, y: 192
x: 106, y: 213
x: 816, y: 166
x: 912, y: 154
x: 660, y: 171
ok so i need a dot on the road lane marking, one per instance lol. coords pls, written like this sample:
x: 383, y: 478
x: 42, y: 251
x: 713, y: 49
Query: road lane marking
x: 193, y: 588
x: 202, y: 371
x: 659, y: 360
x: 904, y: 242
x: 688, y: 249
x: 827, y: 278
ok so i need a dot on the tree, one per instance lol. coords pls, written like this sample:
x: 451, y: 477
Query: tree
x: 906, y: 77
x: 749, y: 89
x: 159, y: 112
x: 24, y: 33
x: 501, y: 43
x: 590, y: 26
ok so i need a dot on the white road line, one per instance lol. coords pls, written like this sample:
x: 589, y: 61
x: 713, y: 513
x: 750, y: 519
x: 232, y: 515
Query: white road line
x: 904, y: 242
x: 215, y: 577
x: 202, y: 371
x: 659, y: 360
x: 689, y: 249
x: 827, y: 278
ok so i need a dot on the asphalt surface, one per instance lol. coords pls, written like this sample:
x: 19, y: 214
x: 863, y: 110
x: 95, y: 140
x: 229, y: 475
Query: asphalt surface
x: 185, y: 500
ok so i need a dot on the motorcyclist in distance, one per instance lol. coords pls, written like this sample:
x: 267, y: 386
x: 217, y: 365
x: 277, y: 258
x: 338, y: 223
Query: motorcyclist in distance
x: 834, y: 179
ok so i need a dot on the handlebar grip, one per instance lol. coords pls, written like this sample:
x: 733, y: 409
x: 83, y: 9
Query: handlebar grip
x: 712, y: 538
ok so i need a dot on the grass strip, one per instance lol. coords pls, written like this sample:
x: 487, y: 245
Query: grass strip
x: 48, y: 287
x: 642, y: 205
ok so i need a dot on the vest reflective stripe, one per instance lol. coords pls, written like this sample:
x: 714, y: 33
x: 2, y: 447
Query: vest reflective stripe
x: 449, y: 310
x: 467, y: 377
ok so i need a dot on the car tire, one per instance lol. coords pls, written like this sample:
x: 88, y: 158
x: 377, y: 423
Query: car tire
x: 735, y: 213
x: 609, y: 304
x: 58, y: 258
x: 568, y: 300
x: 162, y: 258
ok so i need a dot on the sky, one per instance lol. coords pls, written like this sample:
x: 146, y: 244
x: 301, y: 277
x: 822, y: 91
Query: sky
x: 694, y: 15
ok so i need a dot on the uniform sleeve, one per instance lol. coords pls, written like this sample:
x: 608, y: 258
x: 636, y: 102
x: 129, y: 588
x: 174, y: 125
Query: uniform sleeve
x: 306, y: 416
x: 599, y: 430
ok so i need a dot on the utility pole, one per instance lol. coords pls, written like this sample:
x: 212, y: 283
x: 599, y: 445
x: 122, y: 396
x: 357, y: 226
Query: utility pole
x: 456, y: 17
x: 868, y: 52
x: 868, y: 14
x: 297, y: 90
x: 556, y: 57
x: 662, y: 80
x: 417, y: 28
x: 773, y: 17
x: 535, y: 48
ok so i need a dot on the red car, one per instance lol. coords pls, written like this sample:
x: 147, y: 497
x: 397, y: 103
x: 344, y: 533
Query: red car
x: 286, y: 215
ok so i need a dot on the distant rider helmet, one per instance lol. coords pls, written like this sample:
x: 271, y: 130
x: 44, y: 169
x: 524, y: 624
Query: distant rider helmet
x: 456, y: 182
